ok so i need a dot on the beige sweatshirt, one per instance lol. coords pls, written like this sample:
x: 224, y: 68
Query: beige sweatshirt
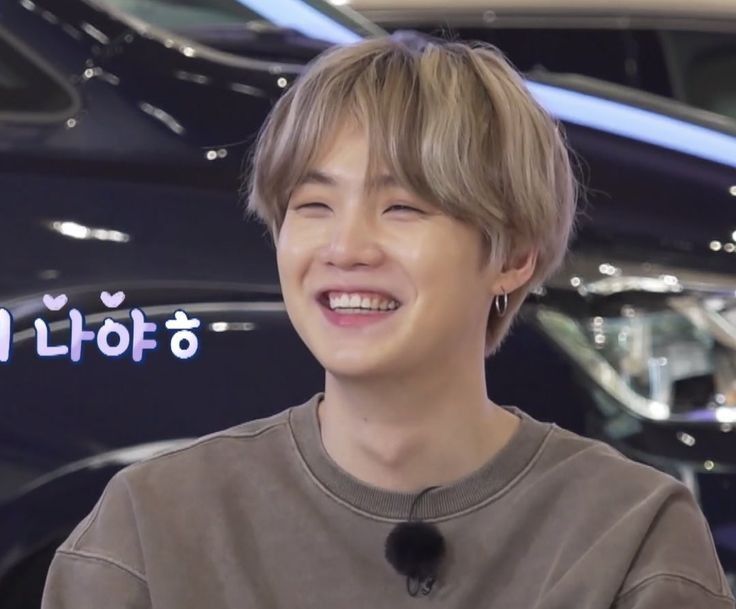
x: 259, y: 517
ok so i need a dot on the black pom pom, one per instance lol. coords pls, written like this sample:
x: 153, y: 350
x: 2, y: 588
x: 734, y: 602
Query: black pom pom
x: 415, y: 549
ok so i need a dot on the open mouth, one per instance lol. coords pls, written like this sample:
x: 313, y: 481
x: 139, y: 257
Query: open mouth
x: 324, y: 300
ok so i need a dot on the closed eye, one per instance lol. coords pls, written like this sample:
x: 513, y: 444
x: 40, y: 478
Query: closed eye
x: 405, y: 207
x: 311, y: 205
x: 399, y: 207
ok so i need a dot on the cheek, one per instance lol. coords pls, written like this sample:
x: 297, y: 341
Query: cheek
x: 294, y: 258
x: 299, y: 237
x: 288, y: 264
x: 445, y: 276
x: 434, y: 259
x: 290, y: 250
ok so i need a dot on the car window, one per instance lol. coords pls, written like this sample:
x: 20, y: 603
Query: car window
x: 560, y: 50
x: 632, y: 58
x: 704, y: 64
x: 693, y: 67
x: 711, y: 82
x: 29, y: 89
x: 312, y: 18
x: 651, y: 73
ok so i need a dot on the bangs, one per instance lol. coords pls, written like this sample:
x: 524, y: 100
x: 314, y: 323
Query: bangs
x: 417, y: 127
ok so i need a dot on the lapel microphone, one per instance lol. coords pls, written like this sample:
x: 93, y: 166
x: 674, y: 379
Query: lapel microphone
x: 415, y: 549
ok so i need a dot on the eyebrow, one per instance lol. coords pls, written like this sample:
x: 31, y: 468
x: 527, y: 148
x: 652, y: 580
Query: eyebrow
x: 315, y: 176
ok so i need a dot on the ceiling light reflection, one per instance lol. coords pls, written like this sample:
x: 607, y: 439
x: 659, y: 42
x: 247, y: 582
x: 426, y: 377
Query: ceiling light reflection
x: 71, y: 31
x: 199, y: 79
x: 229, y: 326
x: 48, y: 274
x: 614, y: 285
x: 74, y: 230
x: 726, y: 414
x: 608, y: 269
x: 636, y: 123
x: 50, y: 17
x: 304, y: 18
x: 239, y: 87
x: 93, y: 32
x: 685, y: 438
x: 669, y: 279
x: 162, y: 116
x: 628, y: 311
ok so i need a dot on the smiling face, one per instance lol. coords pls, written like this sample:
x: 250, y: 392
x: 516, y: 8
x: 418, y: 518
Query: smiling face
x: 457, y: 126
x: 338, y: 232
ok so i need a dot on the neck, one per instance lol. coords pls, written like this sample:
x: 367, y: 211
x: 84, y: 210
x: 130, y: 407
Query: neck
x: 405, y: 436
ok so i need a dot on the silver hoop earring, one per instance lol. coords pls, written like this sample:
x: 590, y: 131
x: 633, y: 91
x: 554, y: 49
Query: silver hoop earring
x: 501, y: 308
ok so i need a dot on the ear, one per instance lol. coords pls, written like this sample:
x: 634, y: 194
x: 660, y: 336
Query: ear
x: 517, y: 271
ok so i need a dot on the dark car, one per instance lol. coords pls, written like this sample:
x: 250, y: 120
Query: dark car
x: 122, y: 141
x: 684, y: 51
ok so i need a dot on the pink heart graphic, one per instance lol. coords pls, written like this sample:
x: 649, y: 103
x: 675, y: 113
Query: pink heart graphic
x: 54, y: 304
x: 112, y: 300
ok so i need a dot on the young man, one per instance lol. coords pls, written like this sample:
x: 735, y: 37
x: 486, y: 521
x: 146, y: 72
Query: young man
x: 415, y: 193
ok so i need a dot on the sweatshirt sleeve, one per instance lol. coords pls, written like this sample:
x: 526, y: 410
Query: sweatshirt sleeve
x: 100, y: 564
x: 676, y: 565
x: 88, y: 581
x: 672, y: 592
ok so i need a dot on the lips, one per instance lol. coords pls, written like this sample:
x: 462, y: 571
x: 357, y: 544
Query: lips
x: 356, y: 321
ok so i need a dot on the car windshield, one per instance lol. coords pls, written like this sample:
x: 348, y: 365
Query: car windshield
x: 676, y: 360
x: 311, y: 18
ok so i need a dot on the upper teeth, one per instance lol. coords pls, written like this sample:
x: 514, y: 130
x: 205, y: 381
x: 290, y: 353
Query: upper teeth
x: 360, y: 301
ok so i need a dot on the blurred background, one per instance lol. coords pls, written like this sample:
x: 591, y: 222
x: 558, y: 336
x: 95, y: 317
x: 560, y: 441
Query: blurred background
x: 124, y: 125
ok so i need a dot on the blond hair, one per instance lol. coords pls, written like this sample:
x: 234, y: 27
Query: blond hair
x: 454, y: 123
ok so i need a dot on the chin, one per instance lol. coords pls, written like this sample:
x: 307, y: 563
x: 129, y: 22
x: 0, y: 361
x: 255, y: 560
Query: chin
x: 354, y: 364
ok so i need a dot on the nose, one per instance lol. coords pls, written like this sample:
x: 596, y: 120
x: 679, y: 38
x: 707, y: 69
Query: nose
x: 353, y: 240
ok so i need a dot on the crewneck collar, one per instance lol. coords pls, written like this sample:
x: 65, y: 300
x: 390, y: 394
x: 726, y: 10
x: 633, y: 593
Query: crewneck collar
x: 483, y: 485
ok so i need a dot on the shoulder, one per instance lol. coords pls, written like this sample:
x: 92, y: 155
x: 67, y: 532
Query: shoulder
x: 159, y: 505
x: 206, y: 469
x: 648, y: 516
x: 587, y: 461
x: 204, y: 466
x: 610, y: 488
x: 207, y: 450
